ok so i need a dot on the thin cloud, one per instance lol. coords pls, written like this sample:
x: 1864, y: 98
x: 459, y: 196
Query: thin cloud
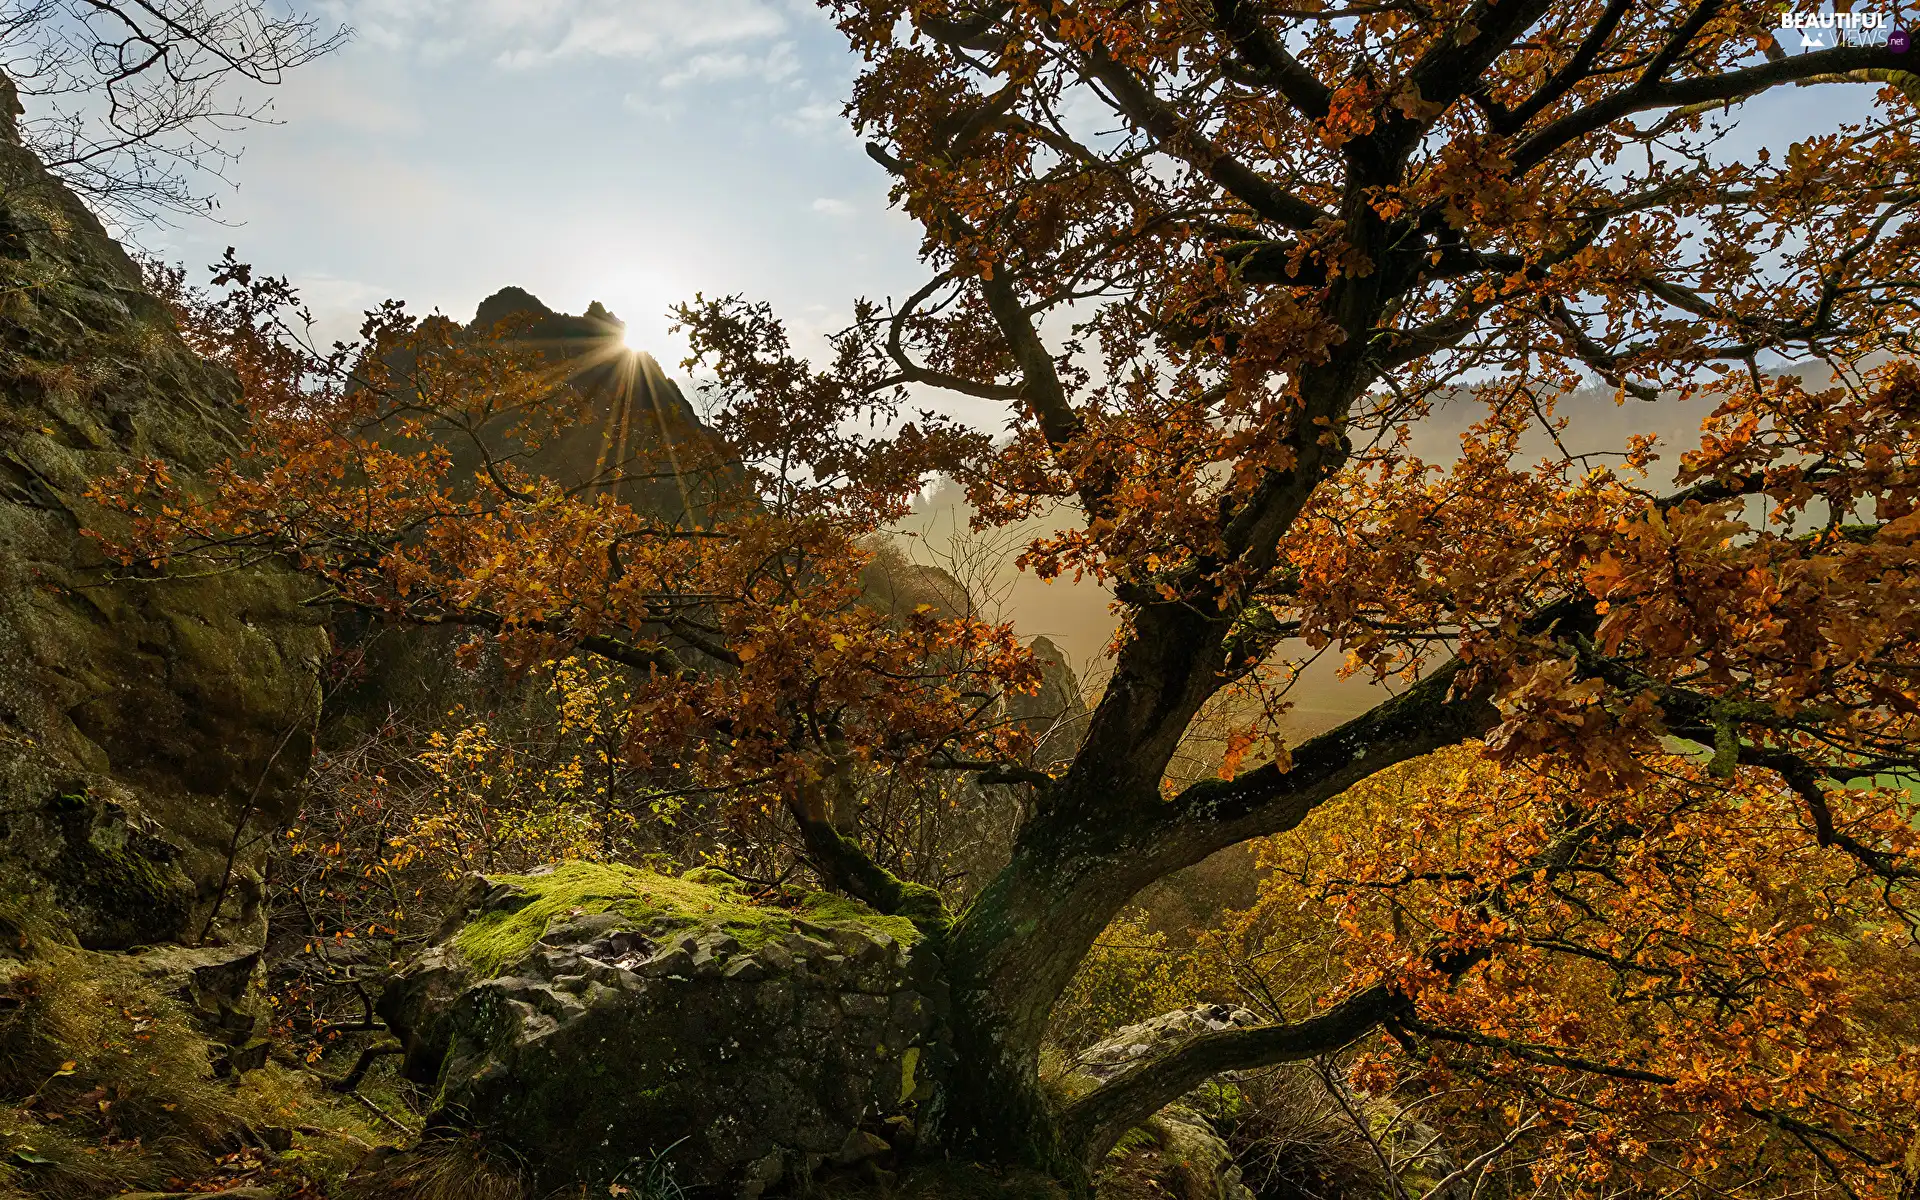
x: 528, y: 34
x: 817, y: 117
x: 775, y: 65
x: 646, y: 106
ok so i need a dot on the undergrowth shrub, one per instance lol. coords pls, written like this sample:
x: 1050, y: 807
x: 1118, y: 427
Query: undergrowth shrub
x: 1132, y: 973
x: 1291, y: 1137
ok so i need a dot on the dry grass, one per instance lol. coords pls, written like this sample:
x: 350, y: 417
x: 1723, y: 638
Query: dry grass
x: 451, y: 1168
x: 105, y: 1087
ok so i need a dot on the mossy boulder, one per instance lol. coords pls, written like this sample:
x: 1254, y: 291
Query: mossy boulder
x: 592, y: 1018
x: 142, y: 721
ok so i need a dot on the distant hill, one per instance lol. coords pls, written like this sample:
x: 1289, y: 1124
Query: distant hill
x: 1077, y: 615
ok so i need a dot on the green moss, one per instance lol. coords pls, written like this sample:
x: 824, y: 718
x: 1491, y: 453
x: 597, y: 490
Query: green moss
x: 909, y: 1062
x: 924, y: 907
x: 703, y: 899
x: 824, y: 908
x: 144, y: 881
x: 1137, y: 1138
x: 714, y: 877
x: 1218, y: 1101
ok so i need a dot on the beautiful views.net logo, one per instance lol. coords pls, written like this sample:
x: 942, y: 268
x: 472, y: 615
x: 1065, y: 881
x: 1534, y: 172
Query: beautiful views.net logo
x: 1822, y: 30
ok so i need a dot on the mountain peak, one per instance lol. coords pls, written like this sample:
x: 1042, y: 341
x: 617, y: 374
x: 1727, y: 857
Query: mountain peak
x: 508, y: 302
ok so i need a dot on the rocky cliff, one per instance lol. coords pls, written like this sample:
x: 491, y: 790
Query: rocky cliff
x: 149, y: 727
x: 630, y: 433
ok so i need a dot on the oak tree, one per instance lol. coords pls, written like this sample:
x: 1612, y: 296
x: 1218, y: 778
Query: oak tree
x: 1267, y: 242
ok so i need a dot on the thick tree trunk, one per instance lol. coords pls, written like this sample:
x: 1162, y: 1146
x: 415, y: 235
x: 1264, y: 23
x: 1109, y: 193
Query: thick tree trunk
x: 1009, y: 956
x: 1080, y: 860
x: 1105, y: 830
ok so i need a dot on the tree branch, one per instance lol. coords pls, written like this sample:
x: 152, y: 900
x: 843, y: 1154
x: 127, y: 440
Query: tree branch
x: 1042, y: 387
x: 1160, y: 119
x: 1272, y: 798
x: 1732, y: 85
x: 1269, y: 59
x: 1569, y: 74
x: 844, y: 864
x: 1097, y: 1120
x: 913, y: 372
x: 640, y: 658
x: 1454, y: 64
x: 1549, y: 1057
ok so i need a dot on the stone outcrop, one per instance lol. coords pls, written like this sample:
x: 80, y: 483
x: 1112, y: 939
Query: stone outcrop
x: 222, y: 992
x: 1177, y: 1151
x: 1130, y: 1044
x: 592, y: 1018
x: 149, y: 728
x: 629, y: 433
x: 1056, y: 716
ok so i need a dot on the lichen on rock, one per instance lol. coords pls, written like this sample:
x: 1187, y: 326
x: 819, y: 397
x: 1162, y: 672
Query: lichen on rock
x: 592, y: 1017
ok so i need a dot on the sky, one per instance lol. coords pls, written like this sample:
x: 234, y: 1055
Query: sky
x: 633, y: 152
x: 629, y: 151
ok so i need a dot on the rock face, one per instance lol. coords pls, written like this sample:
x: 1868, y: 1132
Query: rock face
x: 142, y: 722
x: 1057, y: 714
x: 593, y: 1017
x: 630, y: 434
x: 1176, y: 1152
